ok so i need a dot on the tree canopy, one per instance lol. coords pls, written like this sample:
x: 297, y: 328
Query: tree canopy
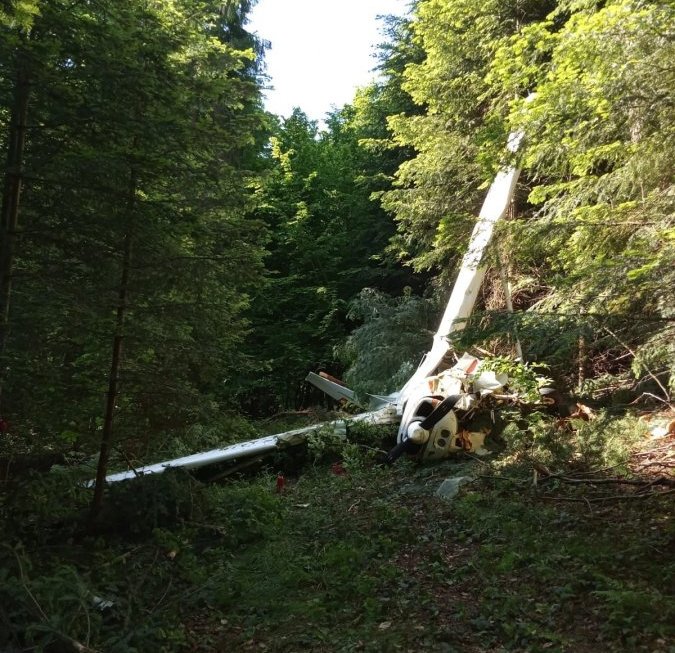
x: 155, y: 215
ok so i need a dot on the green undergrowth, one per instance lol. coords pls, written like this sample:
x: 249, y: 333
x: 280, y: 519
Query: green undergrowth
x: 349, y: 556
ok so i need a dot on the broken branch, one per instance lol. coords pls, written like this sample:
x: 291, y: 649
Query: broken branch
x: 661, y: 480
x: 666, y: 394
x: 616, y: 497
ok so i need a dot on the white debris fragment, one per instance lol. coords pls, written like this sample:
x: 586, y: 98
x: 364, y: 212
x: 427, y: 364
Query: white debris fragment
x: 449, y: 488
x: 659, y: 432
x: 101, y: 603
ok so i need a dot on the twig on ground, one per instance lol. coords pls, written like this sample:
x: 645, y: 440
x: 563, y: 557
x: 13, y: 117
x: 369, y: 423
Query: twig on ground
x: 615, y: 497
x: 661, y: 480
x: 476, y: 458
x: 123, y: 557
x: 517, y: 481
x: 221, y: 530
x: 368, y: 448
x: 666, y: 395
x: 602, y: 470
x: 69, y: 641
x: 656, y: 463
x: 286, y: 413
x: 649, y: 394
x: 161, y: 598
x: 656, y: 450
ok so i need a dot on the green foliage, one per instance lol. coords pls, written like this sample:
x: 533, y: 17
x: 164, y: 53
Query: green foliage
x: 592, y: 247
x: 56, y: 607
x: 606, y: 441
x: 326, y: 242
x: 141, y: 505
x: 437, y: 192
x: 144, y: 214
x: 393, y: 333
x: 524, y: 379
x: 537, y: 437
x: 338, y: 559
x: 243, y: 512
x: 561, y: 560
x: 355, y: 452
x: 144, y: 131
x: 41, y: 505
x: 325, y: 443
x: 247, y: 512
x: 19, y: 13
x: 212, y: 431
x: 629, y: 604
x: 154, y: 527
x: 603, y: 181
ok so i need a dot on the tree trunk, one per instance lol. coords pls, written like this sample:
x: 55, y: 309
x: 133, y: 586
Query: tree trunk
x: 11, y: 196
x: 115, y: 359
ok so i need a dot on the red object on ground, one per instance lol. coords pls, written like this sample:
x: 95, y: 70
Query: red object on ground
x: 281, y: 482
x: 338, y: 469
x: 4, y: 426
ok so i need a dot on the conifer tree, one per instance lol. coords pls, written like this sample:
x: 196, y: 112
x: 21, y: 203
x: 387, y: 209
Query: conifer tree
x: 143, y: 124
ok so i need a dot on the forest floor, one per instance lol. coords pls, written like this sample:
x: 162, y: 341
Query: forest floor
x: 351, y: 556
x: 373, y: 560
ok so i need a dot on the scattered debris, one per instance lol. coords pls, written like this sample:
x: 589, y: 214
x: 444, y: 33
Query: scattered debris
x: 442, y: 414
x: 449, y: 488
x: 338, y: 469
x: 663, y: 429
x: 280, y: 484
x: 583, y: 412
x: 101, y: 603
x: 659, y: 432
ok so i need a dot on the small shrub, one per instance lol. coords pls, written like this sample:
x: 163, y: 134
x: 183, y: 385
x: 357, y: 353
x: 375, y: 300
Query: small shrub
x: 42, y: 504
x: 44, y: 609
x: 227, y: 429
x: 608, y: 440
x: 605, y: 441
x: 325, y: 444
x: 536, y: 436
x: 246, y: 511
x: 138, y: 506
x: 524, y: 378
x: 631, y: 608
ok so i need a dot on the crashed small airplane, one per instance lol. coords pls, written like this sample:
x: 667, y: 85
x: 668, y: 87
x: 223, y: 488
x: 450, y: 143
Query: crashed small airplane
x: 436, y: 406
